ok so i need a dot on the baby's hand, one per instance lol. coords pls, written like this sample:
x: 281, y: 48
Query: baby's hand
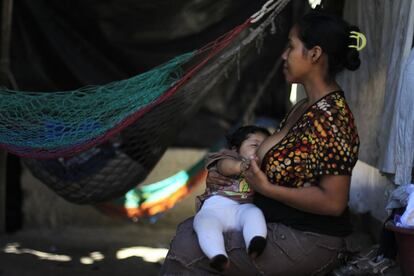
x: 255, y: 177
x: 254, y: 158
x: 244, y: 165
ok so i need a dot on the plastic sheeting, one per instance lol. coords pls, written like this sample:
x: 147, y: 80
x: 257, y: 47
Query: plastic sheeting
x: 381, y: 103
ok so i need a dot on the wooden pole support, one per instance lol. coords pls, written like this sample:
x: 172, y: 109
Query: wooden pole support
x: 6, y: 78
x: 3, y: 169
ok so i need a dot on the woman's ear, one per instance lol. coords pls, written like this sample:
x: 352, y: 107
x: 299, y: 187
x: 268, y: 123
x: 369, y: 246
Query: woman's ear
x: 315, y: 54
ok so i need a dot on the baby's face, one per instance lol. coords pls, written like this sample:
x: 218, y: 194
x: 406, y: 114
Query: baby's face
x: 249, y: 146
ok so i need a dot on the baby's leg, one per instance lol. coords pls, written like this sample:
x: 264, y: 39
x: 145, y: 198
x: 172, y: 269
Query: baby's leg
x: 254, y: 228
x: 217, y: 215
x: 209, y: 231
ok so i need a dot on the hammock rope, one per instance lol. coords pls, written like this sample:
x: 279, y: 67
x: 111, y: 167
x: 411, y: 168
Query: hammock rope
x: 248, y: 116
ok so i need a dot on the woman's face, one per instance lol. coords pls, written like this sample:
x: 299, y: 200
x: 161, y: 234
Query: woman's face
x: 297, y: 62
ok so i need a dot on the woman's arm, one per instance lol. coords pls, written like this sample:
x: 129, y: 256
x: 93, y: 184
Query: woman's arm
x: 329, y: 198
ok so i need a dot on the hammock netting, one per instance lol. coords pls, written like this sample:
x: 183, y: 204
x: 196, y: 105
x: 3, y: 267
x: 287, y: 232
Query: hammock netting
x: 45, y: 124
x: 98, y: 142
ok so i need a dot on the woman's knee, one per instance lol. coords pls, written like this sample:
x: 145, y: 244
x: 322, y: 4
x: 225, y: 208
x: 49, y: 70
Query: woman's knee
x: 185, y: 253
x: 292, y: 252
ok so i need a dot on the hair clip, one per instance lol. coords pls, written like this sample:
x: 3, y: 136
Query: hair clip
x: 361, y: 40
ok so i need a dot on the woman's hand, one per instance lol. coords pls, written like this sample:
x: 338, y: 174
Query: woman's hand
x: 256, y: 178
x: 216, y: 181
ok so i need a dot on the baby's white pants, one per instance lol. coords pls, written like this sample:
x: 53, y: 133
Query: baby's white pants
x: 220, y: 214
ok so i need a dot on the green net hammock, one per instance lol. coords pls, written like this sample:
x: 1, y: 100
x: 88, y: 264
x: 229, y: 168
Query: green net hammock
x: 96, y: 143
x: 37, y: 124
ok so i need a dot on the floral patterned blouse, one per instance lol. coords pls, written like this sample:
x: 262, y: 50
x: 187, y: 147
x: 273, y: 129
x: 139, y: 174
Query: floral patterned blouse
x: 324, y: 141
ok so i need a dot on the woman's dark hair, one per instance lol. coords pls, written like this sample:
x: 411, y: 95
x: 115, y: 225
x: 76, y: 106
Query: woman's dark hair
x: 332, y: 34
x: 235, y: 139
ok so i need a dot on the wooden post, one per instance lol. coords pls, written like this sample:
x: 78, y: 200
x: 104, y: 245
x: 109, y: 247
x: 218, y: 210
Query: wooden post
x: 6, y: 78
x: 6, y: 21
x: 3, y: 169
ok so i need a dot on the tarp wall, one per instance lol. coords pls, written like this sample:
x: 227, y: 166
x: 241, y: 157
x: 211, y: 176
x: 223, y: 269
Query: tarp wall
x: 374, y: 91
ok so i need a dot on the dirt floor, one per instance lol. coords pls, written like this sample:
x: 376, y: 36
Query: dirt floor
x: 60, y: 238
x: 127, y: 250
x: 64, y: 239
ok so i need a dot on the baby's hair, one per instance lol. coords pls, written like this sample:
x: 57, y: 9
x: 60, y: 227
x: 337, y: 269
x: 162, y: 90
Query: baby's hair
x: 235, y: 139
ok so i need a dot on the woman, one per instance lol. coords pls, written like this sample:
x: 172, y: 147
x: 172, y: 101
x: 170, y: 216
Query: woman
x: 303, y: 177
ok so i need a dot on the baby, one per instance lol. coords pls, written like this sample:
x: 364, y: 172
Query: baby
x: 227, y: 208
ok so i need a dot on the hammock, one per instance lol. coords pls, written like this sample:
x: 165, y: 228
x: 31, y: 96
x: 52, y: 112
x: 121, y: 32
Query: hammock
x: 62, y: 123
x: 96, y: 143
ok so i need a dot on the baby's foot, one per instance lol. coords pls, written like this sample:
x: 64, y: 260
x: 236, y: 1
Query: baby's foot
x: 220, y: 262
x: 256, y: 246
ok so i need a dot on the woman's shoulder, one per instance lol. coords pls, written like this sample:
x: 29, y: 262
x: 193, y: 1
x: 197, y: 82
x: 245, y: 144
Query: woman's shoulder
x: 332, y: 117
x: 332, y: 107
x: 336, y: 136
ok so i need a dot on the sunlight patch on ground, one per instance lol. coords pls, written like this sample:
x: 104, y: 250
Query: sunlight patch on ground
x: 13, y: 248
x: 93, y: 257
x: 148, y: 254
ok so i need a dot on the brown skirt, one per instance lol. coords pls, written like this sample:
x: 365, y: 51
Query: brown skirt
x: 288, y: 252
